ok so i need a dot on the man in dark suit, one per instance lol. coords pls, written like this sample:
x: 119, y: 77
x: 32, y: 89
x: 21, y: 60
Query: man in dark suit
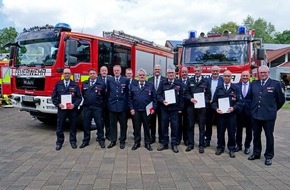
x: 244, y: 118
x: 155, y: 80
x: 141, y: 94
x: 70, y: 110
x: 226, y: 119
x: 183, y: 116
x: 117, y: 92
x: 196, y: 84
x: 169, y: 110
x: 268, y: 98
x: 213, y: 81
x: 94, y: 92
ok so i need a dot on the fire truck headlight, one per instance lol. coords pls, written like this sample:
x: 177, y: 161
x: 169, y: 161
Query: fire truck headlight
x: 16, y: 98
x: 49, y: 101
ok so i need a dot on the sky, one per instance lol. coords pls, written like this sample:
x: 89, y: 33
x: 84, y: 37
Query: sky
x: 153, y: 20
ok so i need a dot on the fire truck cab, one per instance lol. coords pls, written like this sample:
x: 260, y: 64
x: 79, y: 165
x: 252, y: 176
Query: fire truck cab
x: 40, y: 54
x: 234, y: 52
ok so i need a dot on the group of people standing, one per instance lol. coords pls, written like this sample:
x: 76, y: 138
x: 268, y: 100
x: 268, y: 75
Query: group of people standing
x: 112, y: 99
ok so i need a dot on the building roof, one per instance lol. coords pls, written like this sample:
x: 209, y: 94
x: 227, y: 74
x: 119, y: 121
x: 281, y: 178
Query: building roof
x: 274, y: 54
x: 275, y: 46
x: 172, y: 43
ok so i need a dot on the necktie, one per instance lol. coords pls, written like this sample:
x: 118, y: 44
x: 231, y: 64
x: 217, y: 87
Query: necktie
x: 156, y: 83
x: 227, y: 87
x: 170, y: 82
x: 263, y: 82
x: 92, y: 83
x: 117, y: 80
x: 244, y: 89
x: 196, y: 80
x: 184, y: 81
x: 66, y: 84
x: 141, y: 85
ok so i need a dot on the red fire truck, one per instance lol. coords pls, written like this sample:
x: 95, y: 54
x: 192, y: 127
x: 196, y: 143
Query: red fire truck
x: 234, y: 52
x: 41, y: 53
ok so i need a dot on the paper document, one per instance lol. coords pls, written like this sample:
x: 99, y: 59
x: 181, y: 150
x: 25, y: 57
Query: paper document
x: 199, y: 97
x: 170, y: 96
x: 224, y: 104
x: 149, y: 108
x: 66, y: 100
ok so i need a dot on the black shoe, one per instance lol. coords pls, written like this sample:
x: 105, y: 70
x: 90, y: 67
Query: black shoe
x: 201, y: 150
x: 58, y: 147
x: 135, y: 146
x: 162, y: 147
x: 254, y: 157
x: 148, y: 147
x: 112, y: 144
x: 186, y: 143
x: 107, y: 137
x: 189, y: 148
x: 175, y: 149
x: 247, y: 151
x: 268, y: 161
x: 153, y: 141
x: 102, y: 144
x: 206, y: 143
x: 84, y: 145
x: 232, y: 154
x: 219, y: 152
x: 238, y: 148
x: 122, y: 145
x: 73, y: 145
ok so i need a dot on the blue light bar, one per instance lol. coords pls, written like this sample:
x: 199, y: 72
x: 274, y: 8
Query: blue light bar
x: 63, y: 26
x: 192, y: 34
x: 242, y: 30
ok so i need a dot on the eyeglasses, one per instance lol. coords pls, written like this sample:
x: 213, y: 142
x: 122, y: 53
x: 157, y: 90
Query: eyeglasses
x: 263, y: 72
x: 226, y: 75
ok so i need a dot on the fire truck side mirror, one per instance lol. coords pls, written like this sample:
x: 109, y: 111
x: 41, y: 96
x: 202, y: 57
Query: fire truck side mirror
x: 260, y: 54
x: 71, y: 47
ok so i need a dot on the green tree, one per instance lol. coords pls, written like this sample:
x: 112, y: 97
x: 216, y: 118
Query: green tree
x: 262, y: 28
x: 7, y: 35
x: 230, y: 26
x: 282, y: 38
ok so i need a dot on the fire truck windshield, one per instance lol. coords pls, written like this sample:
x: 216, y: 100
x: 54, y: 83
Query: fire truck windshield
x: 218, y: 53
x: 37, y: 53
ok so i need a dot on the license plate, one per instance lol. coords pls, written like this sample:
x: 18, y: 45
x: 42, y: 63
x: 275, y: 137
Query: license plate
x: 27, y: 98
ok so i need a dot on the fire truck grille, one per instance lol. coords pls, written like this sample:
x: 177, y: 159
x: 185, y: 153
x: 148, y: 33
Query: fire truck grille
x: 30, y: 83
x: 29, y: 104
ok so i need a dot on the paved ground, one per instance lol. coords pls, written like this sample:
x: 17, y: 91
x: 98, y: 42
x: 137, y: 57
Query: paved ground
x: 28, y: 160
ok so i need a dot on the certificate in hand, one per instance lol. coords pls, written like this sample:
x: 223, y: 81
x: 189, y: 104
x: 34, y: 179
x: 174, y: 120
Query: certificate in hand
x: 224, y: 104
x: 66, y: 100
x: 149, y: 108
x: 199, y: 97
x: 170, y: 96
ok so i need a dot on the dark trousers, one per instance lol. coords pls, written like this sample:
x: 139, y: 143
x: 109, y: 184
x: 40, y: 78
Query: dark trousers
x: 268, y: 127
x: 72, y: 115
x: 210, y: 120
x: 196, y: 115
x: 106, y: 122
x: 153, y: 126
x: 96, y: 114
x: 244, y: 120
x: 140, y: 118
x: 183, y: 123
x: 171, y: 116
x: 226, y: 122
x: 114, y: 118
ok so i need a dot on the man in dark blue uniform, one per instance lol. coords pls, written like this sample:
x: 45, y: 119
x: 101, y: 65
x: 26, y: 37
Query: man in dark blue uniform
x: 213, y: 81
x: 94, y: 92
x: 226, y: 114
x: 244, y: 118
x: 183, y: 116
x: 268, y: 98
x: 196, y: 84
x: 117, y: 90
x: 106, y: 120
x: 70, y: 110
x: 155, y: 80
x: 141, y: 94
x: 169, y: 109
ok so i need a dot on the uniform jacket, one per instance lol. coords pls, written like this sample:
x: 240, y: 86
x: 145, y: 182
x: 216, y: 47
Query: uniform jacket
x: 94, y: 96
x: 233, y: 93
x: 220, y: 82
x: 60, y: 89
x: 193, y: 87
x: 186, y: 102
x: 117, y: 93
x: 267, y: 99
x: 140, y: 98
x: 178, y: 89
x: 246, y: 101
x: 152, y: 80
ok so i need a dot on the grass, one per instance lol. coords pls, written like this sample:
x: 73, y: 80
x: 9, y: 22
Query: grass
x: 286, y: 105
